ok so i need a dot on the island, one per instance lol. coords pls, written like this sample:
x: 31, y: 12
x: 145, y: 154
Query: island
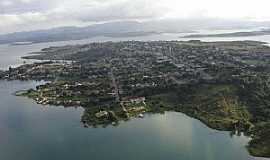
x: 263, y: 32
x: 226, y: 85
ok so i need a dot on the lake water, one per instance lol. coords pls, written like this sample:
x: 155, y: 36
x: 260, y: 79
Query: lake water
x: 33, y: 132
x: 29, y: 131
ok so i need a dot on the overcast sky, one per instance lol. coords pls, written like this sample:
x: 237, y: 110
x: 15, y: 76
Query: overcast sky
x: 18, y: 15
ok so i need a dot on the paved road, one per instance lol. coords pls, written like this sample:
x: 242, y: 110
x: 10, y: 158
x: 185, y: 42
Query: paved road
x: 116, y: 89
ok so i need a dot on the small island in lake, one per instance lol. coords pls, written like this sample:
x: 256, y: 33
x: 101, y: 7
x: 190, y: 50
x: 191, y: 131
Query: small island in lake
x: 226, y: 85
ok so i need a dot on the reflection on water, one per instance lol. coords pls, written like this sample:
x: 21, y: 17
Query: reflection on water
x: 29, y: 131
x: 46, y: 132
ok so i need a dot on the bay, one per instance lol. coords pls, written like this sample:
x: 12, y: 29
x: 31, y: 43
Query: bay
x: 29, y: 131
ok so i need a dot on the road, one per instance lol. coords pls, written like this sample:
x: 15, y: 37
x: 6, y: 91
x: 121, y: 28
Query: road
x: 116, y: 89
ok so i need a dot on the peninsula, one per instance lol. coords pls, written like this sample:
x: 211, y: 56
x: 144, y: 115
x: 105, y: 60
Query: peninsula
x: 226, y: 85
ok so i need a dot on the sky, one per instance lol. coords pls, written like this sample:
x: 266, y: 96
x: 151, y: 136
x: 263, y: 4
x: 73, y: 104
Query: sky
x: 23, y: 15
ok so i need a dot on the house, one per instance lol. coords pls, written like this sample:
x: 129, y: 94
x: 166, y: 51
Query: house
x: 101, y: 114
x: 136, y: 100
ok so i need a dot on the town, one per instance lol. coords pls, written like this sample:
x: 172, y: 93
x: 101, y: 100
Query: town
x: 224, y: 84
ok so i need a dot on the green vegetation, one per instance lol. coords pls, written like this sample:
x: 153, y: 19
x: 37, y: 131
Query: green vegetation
x: 219, y: 106
x: 224, y: 107
x: 216, y: 105
x: 226, y: 85
x: 260, y: 143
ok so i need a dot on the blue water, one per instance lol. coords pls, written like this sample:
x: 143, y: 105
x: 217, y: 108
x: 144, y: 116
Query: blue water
x: 29, y: 131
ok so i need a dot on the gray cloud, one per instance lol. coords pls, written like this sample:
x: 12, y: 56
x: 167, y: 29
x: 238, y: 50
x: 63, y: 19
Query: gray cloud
x: 23, y: 6
x: 136, y: 9
x: 18, y: 15
x: 22, y: 14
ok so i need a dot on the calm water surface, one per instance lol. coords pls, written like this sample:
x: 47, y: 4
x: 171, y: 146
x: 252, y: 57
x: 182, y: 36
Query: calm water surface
x: 29, y: 131
x: 33, y: 132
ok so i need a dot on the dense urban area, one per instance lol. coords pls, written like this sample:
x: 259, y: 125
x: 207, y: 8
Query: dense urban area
x: 226, y: 85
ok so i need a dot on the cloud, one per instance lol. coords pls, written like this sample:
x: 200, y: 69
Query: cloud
x: 78, y: 12
x: 120, y: 10
x: 26, y: 1
x: 23, y: 6
x: 6, y: 3
x: 33, y: 14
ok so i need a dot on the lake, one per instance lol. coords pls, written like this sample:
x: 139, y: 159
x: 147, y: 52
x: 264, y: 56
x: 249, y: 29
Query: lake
x: 10, y: 54
x: 29, y: 131
x: 33, y: 132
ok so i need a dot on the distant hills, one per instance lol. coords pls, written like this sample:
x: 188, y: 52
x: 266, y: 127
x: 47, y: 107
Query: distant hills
x: 135, y: 29
x: 70, y: 33
x: 113, y: 29
x: 234, y: 34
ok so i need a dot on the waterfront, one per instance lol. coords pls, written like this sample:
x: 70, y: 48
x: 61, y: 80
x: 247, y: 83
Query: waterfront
x: 46, y: 132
